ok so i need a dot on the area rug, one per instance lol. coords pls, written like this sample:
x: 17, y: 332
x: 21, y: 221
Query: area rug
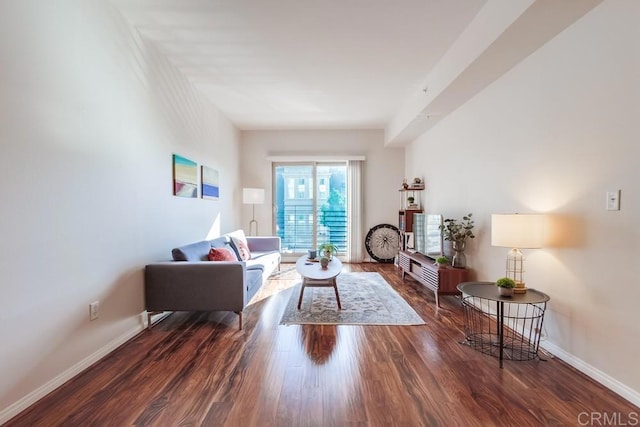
x: 367, y: 299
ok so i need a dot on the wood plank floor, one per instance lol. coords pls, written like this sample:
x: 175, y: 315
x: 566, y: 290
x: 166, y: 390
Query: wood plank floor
x: 196, y: 369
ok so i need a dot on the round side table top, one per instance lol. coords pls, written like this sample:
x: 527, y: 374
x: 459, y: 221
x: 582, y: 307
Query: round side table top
x: 489, y: 290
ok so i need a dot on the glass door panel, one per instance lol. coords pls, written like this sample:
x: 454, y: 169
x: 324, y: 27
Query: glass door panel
x: 310, y: 206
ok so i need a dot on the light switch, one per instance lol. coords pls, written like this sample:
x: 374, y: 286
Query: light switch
x: 613, y: 200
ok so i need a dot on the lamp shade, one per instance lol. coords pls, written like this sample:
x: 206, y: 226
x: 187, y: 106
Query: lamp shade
x: 253, y: 196
x: 517, y: 230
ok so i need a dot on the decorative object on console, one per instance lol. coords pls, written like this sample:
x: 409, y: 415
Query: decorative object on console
x: 253, y: 196
x: 517, y: 231
x: 458, y: 233
x: 442, y: 261
x: 505, y: 286
x: 382, y: 242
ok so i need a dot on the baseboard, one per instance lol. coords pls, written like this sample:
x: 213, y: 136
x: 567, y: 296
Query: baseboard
x: 612, y: 384
x: 39, y: 393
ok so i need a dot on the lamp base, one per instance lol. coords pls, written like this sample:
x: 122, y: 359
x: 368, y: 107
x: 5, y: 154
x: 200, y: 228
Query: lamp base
x: 519, y: 290
x: 251, y: 224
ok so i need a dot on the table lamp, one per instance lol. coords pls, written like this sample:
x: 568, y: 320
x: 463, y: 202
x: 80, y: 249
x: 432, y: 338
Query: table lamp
x: 517, y: 231
x: 253, y: 196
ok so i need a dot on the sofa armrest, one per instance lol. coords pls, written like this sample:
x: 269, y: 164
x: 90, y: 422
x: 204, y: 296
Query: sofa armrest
x: 195, y: 286
x: 263, y: 243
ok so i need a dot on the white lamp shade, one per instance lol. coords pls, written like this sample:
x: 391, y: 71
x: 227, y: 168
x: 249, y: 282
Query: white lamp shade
x: 253, y: 196
x: 517, y: 230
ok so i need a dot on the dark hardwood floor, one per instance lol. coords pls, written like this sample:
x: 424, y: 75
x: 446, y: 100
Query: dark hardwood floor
x: 196, y: 369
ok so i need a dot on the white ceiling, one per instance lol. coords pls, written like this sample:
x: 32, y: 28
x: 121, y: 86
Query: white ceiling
x: 304, y: 64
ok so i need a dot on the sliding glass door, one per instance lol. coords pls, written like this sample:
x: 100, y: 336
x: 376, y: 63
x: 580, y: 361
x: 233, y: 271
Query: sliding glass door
x: 310, y: 203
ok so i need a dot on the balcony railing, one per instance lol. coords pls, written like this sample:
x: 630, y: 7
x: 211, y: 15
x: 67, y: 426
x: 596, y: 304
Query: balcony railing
x: 295, y: 227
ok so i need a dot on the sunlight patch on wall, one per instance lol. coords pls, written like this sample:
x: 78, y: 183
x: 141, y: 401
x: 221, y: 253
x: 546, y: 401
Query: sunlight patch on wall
x: 214, y: 230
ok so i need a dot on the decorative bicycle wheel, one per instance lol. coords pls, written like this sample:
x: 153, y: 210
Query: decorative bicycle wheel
x: 382, y: 242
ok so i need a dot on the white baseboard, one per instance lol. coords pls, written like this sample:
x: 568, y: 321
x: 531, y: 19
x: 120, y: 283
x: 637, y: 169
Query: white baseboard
x: 612, y: 384
x: 31, y: 398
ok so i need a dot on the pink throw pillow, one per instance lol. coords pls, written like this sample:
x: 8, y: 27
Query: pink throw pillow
x: 243, y: 249
x: 221, y: 254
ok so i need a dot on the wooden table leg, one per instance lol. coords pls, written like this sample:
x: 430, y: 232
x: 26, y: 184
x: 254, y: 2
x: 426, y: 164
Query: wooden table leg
x: 301, y: 293
x: 335, y: 288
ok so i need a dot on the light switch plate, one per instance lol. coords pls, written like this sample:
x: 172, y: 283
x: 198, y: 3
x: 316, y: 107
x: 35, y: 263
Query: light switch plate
x: 613, y: 200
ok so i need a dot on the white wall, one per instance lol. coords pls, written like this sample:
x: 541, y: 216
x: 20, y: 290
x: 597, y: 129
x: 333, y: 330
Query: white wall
x: 90, y: 117
x: 553, y: 135
x: 383, y: 170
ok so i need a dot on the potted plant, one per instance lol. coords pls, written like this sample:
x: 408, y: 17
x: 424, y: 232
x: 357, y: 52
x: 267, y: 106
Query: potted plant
x: 505, y: 286
x: 328, y: 249
x: 457, y: 232
x: 410, y: 199
x: 442, y: 261
x: 324, y: 262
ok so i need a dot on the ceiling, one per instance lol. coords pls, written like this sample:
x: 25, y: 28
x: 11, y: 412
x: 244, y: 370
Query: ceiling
x: 303, y: 64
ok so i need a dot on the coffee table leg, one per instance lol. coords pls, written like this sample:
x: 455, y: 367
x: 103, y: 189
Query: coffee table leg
x: 335, y: 288
x: 301, y: 293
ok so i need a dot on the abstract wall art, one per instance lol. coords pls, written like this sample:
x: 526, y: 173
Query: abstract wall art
x: 210, y: 183
x: 185, y: 177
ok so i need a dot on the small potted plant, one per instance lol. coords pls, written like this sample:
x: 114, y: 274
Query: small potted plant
x: 505, y: 286
x: 442, y: 261
x: 328, y: 249
x: 324, y: 262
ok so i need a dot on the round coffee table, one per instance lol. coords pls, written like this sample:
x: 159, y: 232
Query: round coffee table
x: 314, y: 276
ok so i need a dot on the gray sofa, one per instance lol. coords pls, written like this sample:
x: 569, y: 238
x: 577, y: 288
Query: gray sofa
x: 193, y: 283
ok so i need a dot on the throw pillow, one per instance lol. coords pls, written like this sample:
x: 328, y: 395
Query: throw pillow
x: 221, y: 254
x: 242, y: 248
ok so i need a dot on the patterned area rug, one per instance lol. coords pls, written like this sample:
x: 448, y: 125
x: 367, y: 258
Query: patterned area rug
x: 367, y: 299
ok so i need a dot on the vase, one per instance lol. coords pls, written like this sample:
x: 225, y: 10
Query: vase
x: 505, y: 292
x: 459, y: 259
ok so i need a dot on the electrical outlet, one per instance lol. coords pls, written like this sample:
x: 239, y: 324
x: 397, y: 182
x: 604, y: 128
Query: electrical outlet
x: 94, y: 310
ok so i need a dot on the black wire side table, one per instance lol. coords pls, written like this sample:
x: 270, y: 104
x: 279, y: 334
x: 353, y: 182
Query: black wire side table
x: 512, y: 331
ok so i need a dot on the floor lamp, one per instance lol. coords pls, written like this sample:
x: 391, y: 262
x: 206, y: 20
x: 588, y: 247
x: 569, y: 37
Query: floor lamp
x: 516, y: 231
x: 253, y: 196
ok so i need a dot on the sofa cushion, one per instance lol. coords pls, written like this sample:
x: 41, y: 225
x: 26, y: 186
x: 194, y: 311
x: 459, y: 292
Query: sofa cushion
x: 241, y: 248
x: 222, y: 254
x: 238, y: 234
x: 253, y: 283
x: 260, y: 254
x: 198, y: 251
x: 219, y: 242
x: 254, y: 265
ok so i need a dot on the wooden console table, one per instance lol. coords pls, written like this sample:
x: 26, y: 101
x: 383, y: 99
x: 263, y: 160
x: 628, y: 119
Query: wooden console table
x: 443, y: 280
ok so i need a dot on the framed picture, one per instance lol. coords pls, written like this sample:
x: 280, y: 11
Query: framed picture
x: 210, y: 183
x: 185, y: 177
